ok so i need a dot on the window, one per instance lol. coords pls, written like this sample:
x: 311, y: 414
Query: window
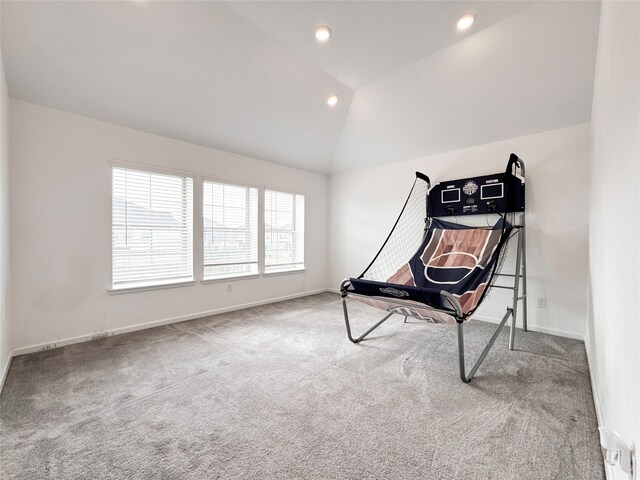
x: 152, y: 228
x: 284, y: 231
x: 230, y: 216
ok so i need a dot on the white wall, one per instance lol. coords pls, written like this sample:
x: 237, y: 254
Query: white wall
x: 531, y: 72
x: 364, y: 204
x: 61, y: 226
x: 5, y: 334
x: 613, y: 330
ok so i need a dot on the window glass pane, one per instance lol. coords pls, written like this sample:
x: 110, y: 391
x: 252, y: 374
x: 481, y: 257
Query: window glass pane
x: 284, y: 231
x: 230, y: 221
x: 152, y: 228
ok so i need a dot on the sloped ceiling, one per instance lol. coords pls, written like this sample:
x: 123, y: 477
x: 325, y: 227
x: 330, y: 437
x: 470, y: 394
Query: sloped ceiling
x: 529, y: 73
x: 371, y: 39
x: 195, y: 71
x: 248, y: 76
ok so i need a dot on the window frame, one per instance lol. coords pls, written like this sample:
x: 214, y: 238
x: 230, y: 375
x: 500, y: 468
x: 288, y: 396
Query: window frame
x: 289, y: 191
x: 197, y: 227
x: 260, y: 246
x: 160, y: 284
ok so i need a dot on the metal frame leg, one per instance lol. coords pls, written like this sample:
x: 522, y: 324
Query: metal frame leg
x: 346, y: 321
x: 415, y: 318
x: 523, y: 232
x: 516, y: 289
x: 466, y: 378
x: 463, y: 376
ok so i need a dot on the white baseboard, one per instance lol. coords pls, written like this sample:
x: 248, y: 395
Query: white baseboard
x: 608, y: 469
x: 155, y: 323
x: 536, y: 328
x: 5, y: 370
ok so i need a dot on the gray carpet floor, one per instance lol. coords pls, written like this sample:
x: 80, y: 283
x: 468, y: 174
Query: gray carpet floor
x: 278, y: 392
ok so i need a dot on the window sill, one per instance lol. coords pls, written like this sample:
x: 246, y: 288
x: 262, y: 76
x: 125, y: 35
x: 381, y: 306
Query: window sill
x: 144, y: 288
x: 285, y: 272
x: 205, y: 281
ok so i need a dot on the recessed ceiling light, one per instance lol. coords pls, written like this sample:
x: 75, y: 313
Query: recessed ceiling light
x: 323, y: 33
x: 332, y: 100
x: 466, y: 21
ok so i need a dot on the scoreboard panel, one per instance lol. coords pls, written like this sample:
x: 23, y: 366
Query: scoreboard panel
x: 498, y: 193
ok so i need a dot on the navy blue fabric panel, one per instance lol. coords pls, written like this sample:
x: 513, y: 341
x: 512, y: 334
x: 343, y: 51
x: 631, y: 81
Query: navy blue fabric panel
x: 428, y: 296
x: 450, y: 275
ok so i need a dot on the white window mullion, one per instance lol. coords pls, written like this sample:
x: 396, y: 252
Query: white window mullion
x: 261, y: 230
x: 293, y: 233
x: 198, y: 235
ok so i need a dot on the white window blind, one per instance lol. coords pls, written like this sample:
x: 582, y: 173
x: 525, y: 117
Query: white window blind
x: 284, y: 231
x: 152, y: 228
x: 230, y: 216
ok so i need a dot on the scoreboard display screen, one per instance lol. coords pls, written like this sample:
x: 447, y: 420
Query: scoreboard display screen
x: 451, y: 196
x: 494, y: 190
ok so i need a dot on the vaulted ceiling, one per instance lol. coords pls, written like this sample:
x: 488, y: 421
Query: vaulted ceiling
x: 248, y: 77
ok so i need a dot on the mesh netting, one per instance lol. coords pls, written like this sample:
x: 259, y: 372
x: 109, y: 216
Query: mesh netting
x: 510, y: 218
x: 405, y: 237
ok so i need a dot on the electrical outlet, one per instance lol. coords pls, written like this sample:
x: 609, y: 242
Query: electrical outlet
x: 541, y: 302
x: 229, y: 287
x: 617, y: 452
